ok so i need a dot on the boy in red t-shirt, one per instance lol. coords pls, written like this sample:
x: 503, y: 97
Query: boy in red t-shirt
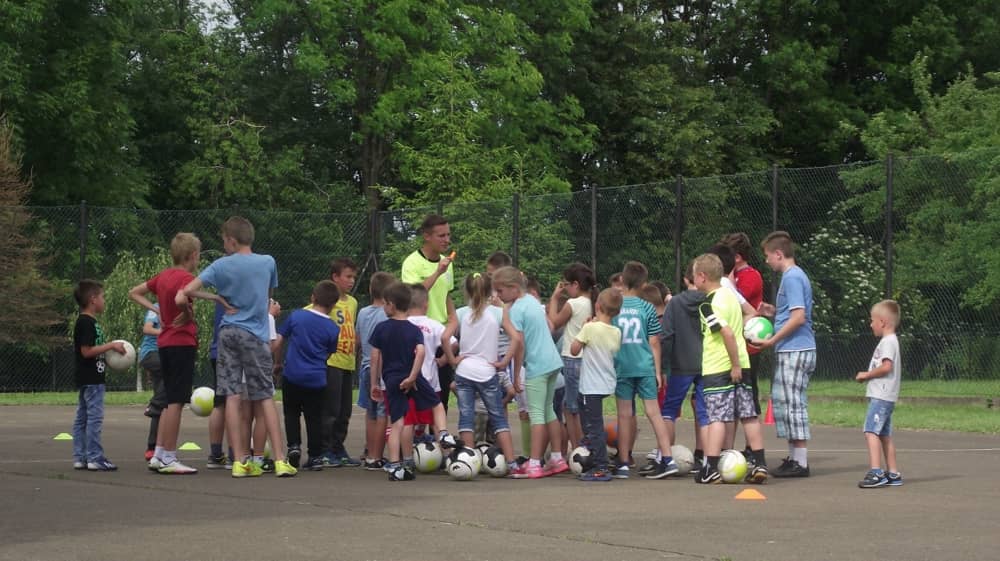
x: 177, y: 344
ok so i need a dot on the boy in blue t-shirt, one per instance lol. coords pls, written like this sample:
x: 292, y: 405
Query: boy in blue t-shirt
x: 396, y: 360
x: 245, y: 279
x: 637, y: 366
x: 368, y: 318
x: 312, y: 337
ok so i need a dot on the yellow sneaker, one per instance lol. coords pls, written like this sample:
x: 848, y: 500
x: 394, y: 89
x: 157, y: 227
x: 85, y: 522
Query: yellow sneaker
x: 246, y: 469
x: 284, y: 469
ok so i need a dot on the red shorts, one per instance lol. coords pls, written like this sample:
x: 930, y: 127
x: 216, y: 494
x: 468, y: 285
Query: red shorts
x: 414, y: 417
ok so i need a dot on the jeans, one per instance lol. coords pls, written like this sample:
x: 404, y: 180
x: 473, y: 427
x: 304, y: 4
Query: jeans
x: 492, y: 396
x: 87, y: 426
x: 592, y: 420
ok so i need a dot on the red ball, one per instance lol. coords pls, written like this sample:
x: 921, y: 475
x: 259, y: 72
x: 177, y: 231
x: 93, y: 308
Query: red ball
x: 611, y: 429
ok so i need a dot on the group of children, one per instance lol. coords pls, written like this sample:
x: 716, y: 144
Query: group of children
x: 632, y: 340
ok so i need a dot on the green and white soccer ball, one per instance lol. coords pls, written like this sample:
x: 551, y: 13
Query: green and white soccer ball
x: 203, y: 401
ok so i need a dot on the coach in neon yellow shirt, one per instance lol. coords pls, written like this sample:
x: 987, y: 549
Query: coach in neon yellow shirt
x: 431, y: 267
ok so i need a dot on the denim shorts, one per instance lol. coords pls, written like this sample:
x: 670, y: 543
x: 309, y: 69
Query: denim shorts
x: 375, y: 409
x: 571, y: 372
x: 492, y: 395
x: 628, y: 388
x: 878, y: 420
x: 364, y: 387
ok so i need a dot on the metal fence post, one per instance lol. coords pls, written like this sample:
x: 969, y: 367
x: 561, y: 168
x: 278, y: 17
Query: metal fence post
x: 775, y: 183
x: 678, y: 232
x: 83, y: 239
x: 888, y: 224
x: 593, y: 228
x: 515, y: 230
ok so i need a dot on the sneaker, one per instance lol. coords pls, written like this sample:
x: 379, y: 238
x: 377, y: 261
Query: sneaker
x: 651, y: 455
x: 536, y: 472
x: 757, y: 475
x: 152, y: 411
x: 708, y: 476
x: 621, y: 472
x: 895, y: 479
x: 663, y: 469
x: 696, y: 466
x: 148, y: 455
x: 557, y: 467
x: 794, y: 469
x: 284, y: 469
x: 400, y: 473
x: 596, y: 475
x: 373, y: 465
x: 294, y: 456
x: 874, y: 478
x: 101, y: 464
x: 154, y: 464
x: 519, y: 472
x: 79, y: 464
x: 267, y: 465
x: 448, y: 441
x: 347, y: 461
x: 314, y: 463
x: 248, y: 468
x: 176, y: 468
x: 785, y: 464
x: 648, y: 468
x: 218, y: 462
x: 330, y: 460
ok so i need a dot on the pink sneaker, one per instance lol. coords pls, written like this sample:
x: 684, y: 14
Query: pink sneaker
x: 520, y: 472
x: 537, y: 472
x: 557, y: 466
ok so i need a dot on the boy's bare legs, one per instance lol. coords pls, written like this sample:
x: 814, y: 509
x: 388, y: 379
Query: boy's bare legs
x: 235, y: 427
x: 216, y: 424
x: 265, y: 410
x: 659, y: 426
x: 716, y: 433
x: 754, y: 432
x: 406, y: 441
x: 379, y: 441
x: 258, y: 427
x: 506, y: 445
x: 730, y: 439
x: 874, y: 450
x: 625, y: 428
x: 394, y: 440
x: 890, y: 454
x: 170, y: 426
x: 574, y: 429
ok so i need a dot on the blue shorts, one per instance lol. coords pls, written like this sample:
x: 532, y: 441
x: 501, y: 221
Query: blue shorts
x: 878, y: 420
x: 398, y: 402
x: 571, y: 372
x: 677, y: 390
x: 644, y: 387
x: 364, y: 386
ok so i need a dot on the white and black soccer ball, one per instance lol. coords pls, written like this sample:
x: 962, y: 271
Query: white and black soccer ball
x: 483, y: 448
x: 683, y: 457
x: 494, y: 462
x: 461, y: 470
x: 580, y: 460
x: 427, y: 457
x: 468, y: 455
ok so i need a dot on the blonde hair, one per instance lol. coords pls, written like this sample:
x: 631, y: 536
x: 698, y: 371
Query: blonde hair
x: 183, y: 246
x: 709, y: 265
x: 508, y: 276
x: 610, y: 301
x: 478, y: 290
x: 889, y: 311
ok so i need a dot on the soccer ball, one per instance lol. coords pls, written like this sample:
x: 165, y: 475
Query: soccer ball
x: 611, y: 429
x: 494, y: 462
x: 471, y: 456
x: 461, y: 470
x: 202, y: 401
x: 732, y: 466
x: 758, y: 327
x: 427, y: 457
x: 483, y: 448
x: 683, y: 457
x: 580, y: 460
x: 121, y: 362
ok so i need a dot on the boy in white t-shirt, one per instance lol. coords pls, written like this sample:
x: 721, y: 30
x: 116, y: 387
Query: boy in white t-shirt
x: 883, y: 377
x: 597, y: 343
x: 432, y: 330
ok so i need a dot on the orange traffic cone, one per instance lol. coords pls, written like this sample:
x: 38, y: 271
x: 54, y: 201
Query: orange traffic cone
x: 769, y: 416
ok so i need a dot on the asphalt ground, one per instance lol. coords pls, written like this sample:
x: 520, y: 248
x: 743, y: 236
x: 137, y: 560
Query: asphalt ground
x: 949, y: 507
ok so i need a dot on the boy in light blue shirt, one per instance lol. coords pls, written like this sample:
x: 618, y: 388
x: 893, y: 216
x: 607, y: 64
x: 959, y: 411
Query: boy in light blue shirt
x: 375, y: 418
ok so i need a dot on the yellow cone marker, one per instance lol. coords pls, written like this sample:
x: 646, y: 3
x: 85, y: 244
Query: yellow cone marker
x: 189, y: 446
x: 750, y: 495
x: 62, y: 436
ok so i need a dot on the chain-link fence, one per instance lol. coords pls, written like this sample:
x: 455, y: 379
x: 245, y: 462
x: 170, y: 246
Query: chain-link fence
x: 843, y: 218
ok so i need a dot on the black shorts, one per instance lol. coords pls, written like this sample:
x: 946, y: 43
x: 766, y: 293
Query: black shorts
x: 398, y: 402
x: 178, y: 372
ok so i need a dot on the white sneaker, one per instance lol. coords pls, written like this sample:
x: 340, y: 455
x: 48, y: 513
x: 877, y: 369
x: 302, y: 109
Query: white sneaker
x: 176, y: 468
x: 155, y: 464
x: 79, y: 464
x: 652, y: 454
